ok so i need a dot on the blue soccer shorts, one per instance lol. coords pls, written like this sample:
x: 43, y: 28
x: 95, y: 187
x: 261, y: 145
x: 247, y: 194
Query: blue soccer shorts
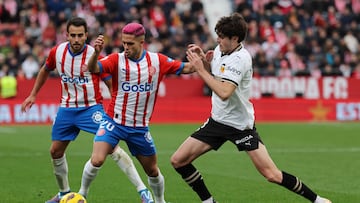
x: 138, y: 139
x: 69, y: 122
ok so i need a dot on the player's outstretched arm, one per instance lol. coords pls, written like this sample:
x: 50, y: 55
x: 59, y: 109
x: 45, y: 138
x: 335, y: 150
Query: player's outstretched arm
x: 98, y: 46
x: 39, y: 82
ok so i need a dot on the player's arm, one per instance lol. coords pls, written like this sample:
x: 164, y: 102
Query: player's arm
x: 221, y: 88
x: 108, y: 83
x: 39, y: 82
x: 98, y: 46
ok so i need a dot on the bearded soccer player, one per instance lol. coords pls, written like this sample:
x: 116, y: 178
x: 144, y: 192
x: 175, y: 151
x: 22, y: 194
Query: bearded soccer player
x: 80, y: 107
x: 136, y: 76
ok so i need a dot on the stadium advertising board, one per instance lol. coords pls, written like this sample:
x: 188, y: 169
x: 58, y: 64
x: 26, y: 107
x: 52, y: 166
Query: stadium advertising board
x: 182, y: 100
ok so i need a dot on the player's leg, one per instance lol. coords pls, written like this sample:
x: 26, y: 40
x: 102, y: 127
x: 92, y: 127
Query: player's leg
x: 63, y: 131
x: 90, y: 122
x: 155, y: 178
x: 182, y: 159
x: 92, y: 166
x: 125, y: 163
x: 265, y: 165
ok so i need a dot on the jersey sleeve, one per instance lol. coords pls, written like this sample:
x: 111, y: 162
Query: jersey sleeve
x: 169, y: 65
x: 236, y: 68
x: 50, y: 63
x: 109, y: 63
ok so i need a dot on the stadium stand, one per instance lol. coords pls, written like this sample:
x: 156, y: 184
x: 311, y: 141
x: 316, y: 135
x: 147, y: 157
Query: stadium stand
x: 309, y: 38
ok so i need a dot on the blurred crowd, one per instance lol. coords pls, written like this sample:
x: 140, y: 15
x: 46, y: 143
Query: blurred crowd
x: 286, y: 37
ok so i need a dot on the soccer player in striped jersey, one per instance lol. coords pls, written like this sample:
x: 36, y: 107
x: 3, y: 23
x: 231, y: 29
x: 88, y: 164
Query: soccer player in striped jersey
x: 80, y: 105
x: 136, y: 76
x: 229, y: 76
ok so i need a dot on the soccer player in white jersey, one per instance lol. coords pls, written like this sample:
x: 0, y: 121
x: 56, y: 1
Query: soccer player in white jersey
x: 80, y: 106
x: 136, y: 76
x: 228, y: 74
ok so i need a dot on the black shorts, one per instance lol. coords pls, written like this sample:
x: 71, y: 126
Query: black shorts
x: 216, y: 134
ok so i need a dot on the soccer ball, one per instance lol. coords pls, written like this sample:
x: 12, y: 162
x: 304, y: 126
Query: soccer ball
x: 73, y: 197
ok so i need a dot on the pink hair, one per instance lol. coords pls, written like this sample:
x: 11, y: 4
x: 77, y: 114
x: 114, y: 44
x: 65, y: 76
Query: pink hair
x: 134, y: 29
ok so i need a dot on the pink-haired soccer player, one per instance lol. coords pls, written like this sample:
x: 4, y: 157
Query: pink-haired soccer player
x: 136, y: 75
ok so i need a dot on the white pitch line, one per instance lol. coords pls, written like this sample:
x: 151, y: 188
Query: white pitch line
x: 5, y: 130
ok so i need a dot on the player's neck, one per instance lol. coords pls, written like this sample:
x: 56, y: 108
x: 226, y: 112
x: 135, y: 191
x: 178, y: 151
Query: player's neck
x: 237, y: 48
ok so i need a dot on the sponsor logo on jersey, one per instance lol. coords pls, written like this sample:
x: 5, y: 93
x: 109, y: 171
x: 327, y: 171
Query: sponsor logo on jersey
x: 97, y: 117
x: 233, y: 70
x: 145, y: 87
x: 169, y: 59
x: 224, y: 68
x: 75, y: 80
x: 246, y: 138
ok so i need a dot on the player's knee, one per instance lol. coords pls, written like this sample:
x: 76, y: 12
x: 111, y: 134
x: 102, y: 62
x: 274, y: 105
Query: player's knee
x: 152, y: 171
x: 56, y: 154
x: 174, y: 161
x: 97, y: 161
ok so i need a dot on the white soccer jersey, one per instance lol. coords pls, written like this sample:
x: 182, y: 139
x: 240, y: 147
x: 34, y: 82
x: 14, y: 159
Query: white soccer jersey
x: 136, y: 84
x: 80, y: 88
x: 236, y: 68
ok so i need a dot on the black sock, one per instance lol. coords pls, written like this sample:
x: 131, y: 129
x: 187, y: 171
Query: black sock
x: 195, y: 180
x: 294, y: 184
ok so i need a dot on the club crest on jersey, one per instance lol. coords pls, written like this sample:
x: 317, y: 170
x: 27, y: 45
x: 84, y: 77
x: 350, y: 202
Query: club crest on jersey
x: 84, y: 68
x: 222, y: 68
x: 97, y: 117
x: 152, y: 70
x: 148, y: 137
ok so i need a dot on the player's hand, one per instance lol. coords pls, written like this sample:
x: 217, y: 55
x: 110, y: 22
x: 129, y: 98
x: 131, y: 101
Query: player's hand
x: 27, y: 104
x: 195, y: 60
x: 209, y: 56
x: 99, y: 43
x: 196, y: 49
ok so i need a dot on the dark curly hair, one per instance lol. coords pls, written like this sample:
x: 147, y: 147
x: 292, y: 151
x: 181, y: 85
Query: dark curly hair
x: 233, y: 25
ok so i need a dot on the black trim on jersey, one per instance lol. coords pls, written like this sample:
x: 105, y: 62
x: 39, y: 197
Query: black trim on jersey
x: 232, y: 51
x: 235, y: 83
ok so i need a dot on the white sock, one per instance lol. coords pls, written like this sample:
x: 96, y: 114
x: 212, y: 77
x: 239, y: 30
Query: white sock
x: 157, y: 185
x: 125, y: 163
x: 60, y: 167
x: 210, y: 200
x: 89, y: 174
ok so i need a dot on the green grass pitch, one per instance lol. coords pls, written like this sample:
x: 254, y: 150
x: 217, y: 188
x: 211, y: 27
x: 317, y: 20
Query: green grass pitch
x: 325, y: 156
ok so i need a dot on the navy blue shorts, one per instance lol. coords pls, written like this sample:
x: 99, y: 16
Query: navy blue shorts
x: 69, y: 122
x: 138, y: 139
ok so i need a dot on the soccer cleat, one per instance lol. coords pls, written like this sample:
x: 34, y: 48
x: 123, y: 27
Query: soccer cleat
x: 57, y: 197
x: 146, y: 196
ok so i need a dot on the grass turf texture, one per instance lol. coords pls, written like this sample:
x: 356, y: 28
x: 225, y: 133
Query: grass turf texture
x: 324, y: 155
